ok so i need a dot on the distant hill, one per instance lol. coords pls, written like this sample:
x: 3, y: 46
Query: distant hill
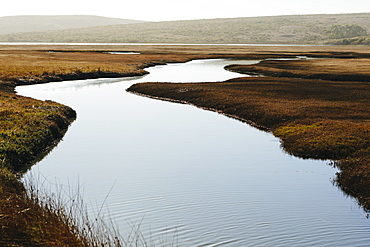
x: 37, y: 23
x: 295, y: 29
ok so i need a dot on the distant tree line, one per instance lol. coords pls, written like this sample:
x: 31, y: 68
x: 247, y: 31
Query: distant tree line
x: 346, y: 31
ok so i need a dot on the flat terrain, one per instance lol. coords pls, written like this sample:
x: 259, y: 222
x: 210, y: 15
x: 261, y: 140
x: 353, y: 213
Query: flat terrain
x: 323, y: 115
x: 350, y: 68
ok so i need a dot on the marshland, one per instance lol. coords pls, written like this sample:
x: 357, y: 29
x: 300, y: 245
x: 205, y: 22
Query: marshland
x: 317, y: 109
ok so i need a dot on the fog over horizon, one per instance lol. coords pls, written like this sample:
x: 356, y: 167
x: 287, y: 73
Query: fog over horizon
x: 166, y: 10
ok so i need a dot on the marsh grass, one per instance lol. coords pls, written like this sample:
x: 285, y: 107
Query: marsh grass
x: 353, y: 68
x: 92, y: 227
x: 66, y: 203
x: 30, y: 66
x: 29, y: 128
x: 26, y: 223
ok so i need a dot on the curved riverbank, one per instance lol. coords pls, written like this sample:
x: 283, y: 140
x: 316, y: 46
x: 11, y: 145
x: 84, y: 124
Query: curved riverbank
x: 353, y: 68
x: 31, y: 128
x: 348, y: 130
x: 322, y: 119
x: 176, y: 163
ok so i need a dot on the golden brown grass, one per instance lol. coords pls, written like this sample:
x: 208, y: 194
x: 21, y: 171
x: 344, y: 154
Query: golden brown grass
x: 24, y: 223
x: 271, y: 102
x: 28, y: 128
x: 27, y: 67
x: 350, y: 69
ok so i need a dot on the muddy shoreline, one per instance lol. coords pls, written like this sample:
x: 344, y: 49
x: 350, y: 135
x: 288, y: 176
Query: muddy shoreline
x: 249, y: 122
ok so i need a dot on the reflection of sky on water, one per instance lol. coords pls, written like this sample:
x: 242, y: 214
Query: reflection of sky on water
x: 215, y: 180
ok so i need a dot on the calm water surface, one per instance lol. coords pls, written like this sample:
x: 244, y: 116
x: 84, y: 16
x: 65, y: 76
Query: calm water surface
x: 204, y: 178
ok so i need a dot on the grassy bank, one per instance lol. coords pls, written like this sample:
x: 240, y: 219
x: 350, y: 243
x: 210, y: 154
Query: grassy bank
x: 22, y: 67
x: 29, y: 129
x: 25, y: 223
x: 325, y: 116
x: 347, y: 136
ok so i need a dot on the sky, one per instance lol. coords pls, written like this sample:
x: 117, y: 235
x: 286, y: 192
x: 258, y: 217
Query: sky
x: 169, y: 10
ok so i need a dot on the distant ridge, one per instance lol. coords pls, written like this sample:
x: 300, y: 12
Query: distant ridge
x: 289, y: 29
x: 37, y: 23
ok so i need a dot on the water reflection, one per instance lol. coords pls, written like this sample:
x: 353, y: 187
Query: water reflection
x: 212, y: 180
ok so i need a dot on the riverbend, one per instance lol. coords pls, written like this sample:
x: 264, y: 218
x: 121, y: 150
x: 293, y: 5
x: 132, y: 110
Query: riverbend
x: 200, y: 176
x: 57, y: 62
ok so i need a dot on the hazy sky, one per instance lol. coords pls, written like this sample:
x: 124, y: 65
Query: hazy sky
x: 164, y: 10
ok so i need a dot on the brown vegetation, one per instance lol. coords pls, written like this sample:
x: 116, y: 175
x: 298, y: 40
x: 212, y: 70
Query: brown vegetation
x: 349, y: 69
x: 325, y: 117
x: 24, y: 223
x: 29, y: 67
x: 328, y: 120
x: 28, y: 129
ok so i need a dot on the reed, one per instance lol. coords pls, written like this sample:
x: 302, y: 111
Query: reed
x: 92, y: 228
x: 67, y: 205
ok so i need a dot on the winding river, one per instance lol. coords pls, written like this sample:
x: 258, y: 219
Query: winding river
x: 189, y: 175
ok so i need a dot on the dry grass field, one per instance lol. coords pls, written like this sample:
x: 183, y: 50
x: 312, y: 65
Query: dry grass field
x: 340, y: 69
x: 28, y: 67
x: 315, y: 116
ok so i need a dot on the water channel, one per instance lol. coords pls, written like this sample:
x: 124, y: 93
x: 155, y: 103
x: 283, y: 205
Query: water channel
x: 190, y: 174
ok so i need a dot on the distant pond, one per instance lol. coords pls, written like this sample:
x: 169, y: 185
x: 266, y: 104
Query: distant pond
x: 192, y: 175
